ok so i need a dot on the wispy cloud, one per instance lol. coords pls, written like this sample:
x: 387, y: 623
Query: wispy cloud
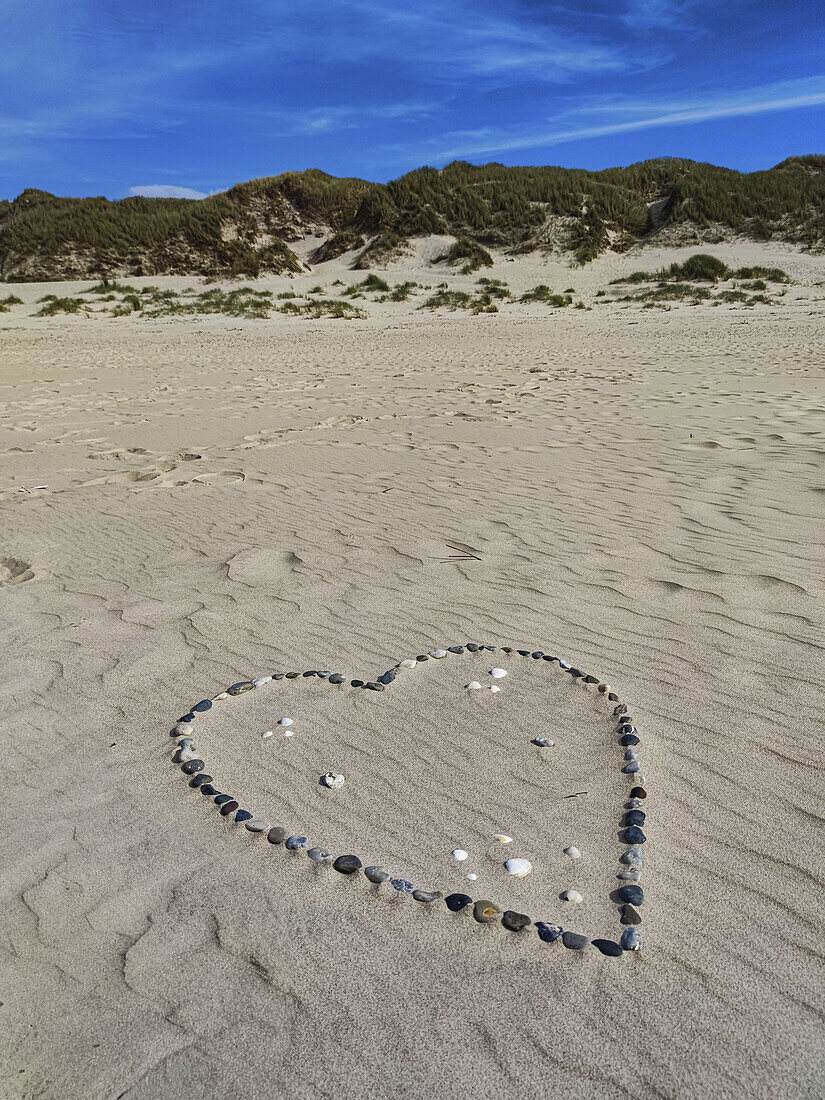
x: 167, y: 191
x: 638, y: 115
x: 645, y: 15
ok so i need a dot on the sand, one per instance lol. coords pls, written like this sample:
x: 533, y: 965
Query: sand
x: 226, y: 498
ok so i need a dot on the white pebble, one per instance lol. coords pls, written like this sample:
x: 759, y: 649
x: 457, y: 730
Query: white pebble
x: 332, y: 780
x: 459, y: 854
x: 438, y: 653
x: 409, y: 663
x: 502, y: 838
x: 474, y: 685
x: 472, y: 877
x: 261, y: 680
x: 494, y: 687
x: 571, y: 895
x: 264, y: 736
x: 518, y: 867
x: 286, y: 721
x: 498, y: 673
x: 221, y: 695
x: 573, y: 852
x: 289, y: 733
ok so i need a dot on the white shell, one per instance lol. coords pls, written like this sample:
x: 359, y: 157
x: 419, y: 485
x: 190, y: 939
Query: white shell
x: 564, y: 664
x: 498, y: 673
x: 494, y: 687
x: 502, y: 838
x: 289, y: 733
x: 286, y: 721
x: 264, y: 736
x: 518, y: 867
x: 409, y: 663
x: 573, y: 852
x: 333, y: 780
x: 471, y: 877
x: 459, y: 854
x: 474, y: 685
x: 261, y: 680
x: 572, y: 895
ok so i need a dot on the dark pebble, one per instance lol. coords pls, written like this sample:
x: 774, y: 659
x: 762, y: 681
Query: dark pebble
x: 591, y: 679
x: 377, y: 874
x: 347, y: 865
x: 634, y: 817
x: 296, y: 842
x: 631, y: 915
x: 375, y: 687
x: 608, y: 947
x: 204, y: 704
x: 207, y: 789
x: 187, y: 717
x: 222, y: 799
x: 619, y: 710
x: 638, y: 792
x: 575, y: 673
x: 514, y: 921
x: 456, y: 902
x: 404, y: 886
x: 229, y: 807
x: 523, y: 652
x: 489, y: 648
x: 537, y: 656
x: 549, y: 657
x: 277, y: 834
x: 485, y: 911
x: 387, y: 678
x: 574, y: 941
x: 192, y: 766
x: 506, y: 649
x: 243, y: 815
x: 357, y: 683
x: 292, y: 675
x: 319, y: 855
x: 548, y: 932
x: 336, y: 678
x: 311, y: 672
x: 422, y: 657
x: 197, y: 780
x: 455, y: 648
x: 239, y: 689
x: 612, y: 696
x: 632, y: 894
x: 629, y: 739
x: 427, y: 896
x: 634, y: 834
x: 472, y: 647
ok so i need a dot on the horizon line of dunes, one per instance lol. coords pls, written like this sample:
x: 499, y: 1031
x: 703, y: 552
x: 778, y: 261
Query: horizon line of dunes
x: 246, y: 230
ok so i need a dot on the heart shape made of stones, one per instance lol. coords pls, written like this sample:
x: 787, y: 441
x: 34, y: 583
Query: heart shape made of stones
x: 628, y: 897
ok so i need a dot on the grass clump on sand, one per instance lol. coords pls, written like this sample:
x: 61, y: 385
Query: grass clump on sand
x: 467, y: 249
x: 672, y: 292
x: 107, y: 287
x: 771, y: 274
x: 698, y: 268
x: 54, y: 305
x: 495, y: 288
x: 401, y: 292
x: 9, y: 300
x: 448, y: 299
x: 542, y: 293
x: 326, y: 307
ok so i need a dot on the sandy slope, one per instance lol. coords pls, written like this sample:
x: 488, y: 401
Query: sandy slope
x: 226, y: 498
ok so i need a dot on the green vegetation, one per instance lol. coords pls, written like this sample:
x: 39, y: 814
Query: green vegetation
x: 544, y: 294
x: 701, y: 267
x: 495, y: 288
x: 400, y: 292
x: 771, y: 274
x: 9, y: 300
x: 448, y: 299
x: 54, y: 305
x: 467, y: 249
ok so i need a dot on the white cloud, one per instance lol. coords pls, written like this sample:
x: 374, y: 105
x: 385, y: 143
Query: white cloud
x: 167, y: 191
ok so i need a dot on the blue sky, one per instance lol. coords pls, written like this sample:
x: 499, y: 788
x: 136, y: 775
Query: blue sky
x: 100, y: 97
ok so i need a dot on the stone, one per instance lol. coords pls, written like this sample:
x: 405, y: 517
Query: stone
x: 336, y: 678
x: 631, y: 754
x: 634, y: 835
x: 518, y: 868
x: 203, y: 705
x: 635, y: 817
x: 631, y: 767
x: 427, y: 896
x: 633, y: 804
x: 574, y: 672
x: 257, y: 824
x: 474, y: 685
x: 564, y: 664
x: 502, y: 838
x: 243, y: 815
x: 292, y: 675
x: 183, y: 727
x: 537, y: 655
x: 590, y: 679
x: 192, y: 766
x: 630, y: 739
x: 471, y: 877
x: 455, y: 648
x: 633, y: 857
x: 631, y: 939
x: 187, y: 719
x: 604, y: 689
x: 631, y: 915
x: 333, y: 780
x: 239, y: 689
x: 573, y: 941
x: 372, y: 686
x: 377, y: 874
x: 221, y: 696
x: 286, y: 721
x: 612, y: 696
x: 495, y: 687
x: 296, y: 843
x: 572, y: 896
x: 259, y: 680
x: 222, y: 799
x: 456, y: 902
x: 514, y: 921
x: 265, y: 734
x: 543, y: 742
x: 548, y: 932
x: 619, y: 710
x: 634, y: 895
x: 608, y: 947
x: 387, y: 678
x: 629, y: 876
x: 229, y: 807
x: 207, y: 789
x: 277, y: 834
x: 402, y: 885
x: 459, y: 854
x: 357, y: 683
x: 409, y: 663
x: 472, y: 647
x: 573, y: 852
x: 197, y: 780
x: 438, y: 653
x: 485, y: 911
x: 523, y: 652
x: 498, y: 673
x: 347, y: 865
x: 638, y: 792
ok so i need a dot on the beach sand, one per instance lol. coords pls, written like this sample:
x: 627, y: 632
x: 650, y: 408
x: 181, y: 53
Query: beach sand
x: 224, y: 498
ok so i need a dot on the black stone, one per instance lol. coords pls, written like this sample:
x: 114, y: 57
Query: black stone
x: 204, y: 704
x: 574, y: 941
x: 347, y: 865
x: 537, y: 656
x: 387, y: 678
x: 638, y: 792
x: 422, y: 657
x: 455, y: 648
x: 296, y: 843
x: 631, y: 915
x: 506, y: 649
x: 187, y: 717
x: 575, y: 673
x: 632, y: 894
x: 457, y: 902
x: 426, y: 896
x: 629, y: 739
x: 372, y: 686
x: 377, y: 874
x: 548, y: 932
x: 208, y: 789
x: 634, y: 834
x: 620, y: 709
x: 192, y: 766
x: 229, y: 807
x: 489, y: 648
x: 523, y: 652
x: 336, y: 678
x: 196, y: 780
x: 590, y: 679
x: 514, y: 921
x: 311, y: 673
x: 608, y: 947
x: 612, y: 696
x: 634, y: 817
x: 472, y: 647
x: 549, y: 657
x: 357, y: 683
x: 222, y: 799
x: 243, y: 815
x: 277, y: 834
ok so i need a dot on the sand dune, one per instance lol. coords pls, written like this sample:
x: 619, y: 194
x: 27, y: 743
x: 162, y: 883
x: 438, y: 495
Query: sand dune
x: 222, y: 498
